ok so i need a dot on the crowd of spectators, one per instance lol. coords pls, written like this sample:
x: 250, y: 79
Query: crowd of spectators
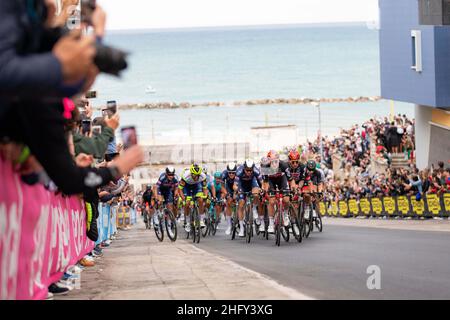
x: 347, y: 161
x: 46, y: 122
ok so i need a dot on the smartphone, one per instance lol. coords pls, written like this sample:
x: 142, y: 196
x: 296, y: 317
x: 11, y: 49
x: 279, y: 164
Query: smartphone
x: 85, y: 126
x: 91, y: 94
x: 110, y: 156
x: 96, y: 130
x: 129, y: 137
x: 111, y: 108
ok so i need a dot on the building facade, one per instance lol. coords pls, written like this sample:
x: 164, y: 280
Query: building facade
x: 415, y: 68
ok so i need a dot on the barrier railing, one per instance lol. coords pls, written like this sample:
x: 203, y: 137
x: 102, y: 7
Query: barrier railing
x: 431, y: 205
x: 113, y: 217
x: 41, y: 235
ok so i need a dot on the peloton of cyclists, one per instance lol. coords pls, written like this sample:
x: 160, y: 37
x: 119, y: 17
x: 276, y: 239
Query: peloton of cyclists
x: 234, y: 183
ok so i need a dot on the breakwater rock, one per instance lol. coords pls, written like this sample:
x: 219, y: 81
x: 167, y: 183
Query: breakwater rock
x: 254, y: 102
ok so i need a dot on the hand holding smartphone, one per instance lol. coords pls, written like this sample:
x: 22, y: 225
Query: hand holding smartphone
x: 129, y: 137
x: 111, y: 109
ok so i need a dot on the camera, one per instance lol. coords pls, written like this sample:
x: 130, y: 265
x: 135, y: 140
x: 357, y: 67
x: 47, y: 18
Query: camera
x: 108, y: 60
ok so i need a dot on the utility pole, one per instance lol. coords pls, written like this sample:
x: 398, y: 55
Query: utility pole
x: 153, y: 131
x: 190, y: 129
x: 317, y: 104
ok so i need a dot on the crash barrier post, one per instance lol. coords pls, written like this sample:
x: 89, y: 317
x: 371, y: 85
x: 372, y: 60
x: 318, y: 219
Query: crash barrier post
x: 41, y: 235
x: 106, y: 217
x: 428, y: 206
x: 113, y: 220
x: 133, y: 215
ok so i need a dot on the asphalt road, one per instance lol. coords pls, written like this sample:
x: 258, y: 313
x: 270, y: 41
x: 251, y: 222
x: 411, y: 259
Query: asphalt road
x: 333, y: 264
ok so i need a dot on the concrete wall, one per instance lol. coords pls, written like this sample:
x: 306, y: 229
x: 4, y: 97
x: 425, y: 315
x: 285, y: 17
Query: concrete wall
x: 440, y: 145
x: 422, y: 134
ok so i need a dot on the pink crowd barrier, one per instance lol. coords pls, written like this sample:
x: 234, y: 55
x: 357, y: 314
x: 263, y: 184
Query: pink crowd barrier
x: 41, y: 235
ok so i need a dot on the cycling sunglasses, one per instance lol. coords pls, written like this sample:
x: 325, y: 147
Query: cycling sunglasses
x: 295, y: 161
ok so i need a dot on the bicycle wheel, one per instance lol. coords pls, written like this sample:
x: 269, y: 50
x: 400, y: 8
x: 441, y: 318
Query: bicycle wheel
x: 300, y: 224
x: 294, y: 224
x: 171, y: 225
x: 266, y: 222
x: 277, y: 234
x: 285, y: 233
x: 318, y: 222
x: 197, y: 229
x: 248, y: 225
x: 214, y: 222
x: 158, y: 226
x: 307, y: 220
x: 234, y: 225
x: 205, y: 230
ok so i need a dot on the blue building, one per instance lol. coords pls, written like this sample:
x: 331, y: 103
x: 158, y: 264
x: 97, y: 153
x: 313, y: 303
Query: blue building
x: 415, y: 68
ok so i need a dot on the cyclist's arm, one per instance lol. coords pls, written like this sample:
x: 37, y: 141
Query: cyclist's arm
x: 204, y: 184
x: 181, y: 186
x: 213, y: 191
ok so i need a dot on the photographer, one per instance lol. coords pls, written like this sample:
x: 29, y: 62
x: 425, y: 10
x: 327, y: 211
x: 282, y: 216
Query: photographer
x: 35, y: 72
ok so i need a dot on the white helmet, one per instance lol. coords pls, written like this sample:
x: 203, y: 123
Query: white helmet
x: 249, y: 164
x: 205, y: 169
x: 231, y: 167
x: 170, y: 170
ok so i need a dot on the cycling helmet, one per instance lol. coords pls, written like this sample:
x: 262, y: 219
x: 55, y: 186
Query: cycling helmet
x: 170, y: 170
x: 231, y: 167
x: 273, y: 155
x: 265, y: 161
x: 311, y: 165
x: 294, y: 155
x: 205, y: 169
x: 217, y: 174
x: 195, y: 169
x: 149, y: 186
x: 249, y: 164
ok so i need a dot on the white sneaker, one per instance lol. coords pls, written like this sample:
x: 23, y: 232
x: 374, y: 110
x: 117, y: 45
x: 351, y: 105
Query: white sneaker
x: 262, y: 227
x: 241, y: 232
x: 188, y: 227
x: 74, y: 270
x: 202, y: 223
x: 270, y: 229
x: 255, y: 213
x: 49, y: 296
x: 108, y: 242
x: 228, y: 231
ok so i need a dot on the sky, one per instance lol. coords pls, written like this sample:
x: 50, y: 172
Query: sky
x: 155, y: 14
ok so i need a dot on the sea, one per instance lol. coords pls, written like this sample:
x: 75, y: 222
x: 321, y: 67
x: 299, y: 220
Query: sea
x: 245, y: 63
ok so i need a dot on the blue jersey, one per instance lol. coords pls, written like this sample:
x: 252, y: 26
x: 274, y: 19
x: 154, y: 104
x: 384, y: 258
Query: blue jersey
x: 164, y: 185
x: 243, y: 178
x: 226, y: 179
